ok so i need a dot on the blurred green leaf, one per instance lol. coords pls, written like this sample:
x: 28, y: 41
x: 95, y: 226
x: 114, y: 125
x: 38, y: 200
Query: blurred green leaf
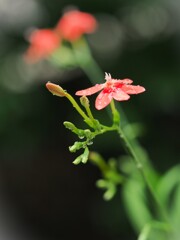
x: 168, y: 191
x: 134, y: 130
x: 167, y: 185
x: 175, y: 211
x: 136, y: 204
x: 155, y: 230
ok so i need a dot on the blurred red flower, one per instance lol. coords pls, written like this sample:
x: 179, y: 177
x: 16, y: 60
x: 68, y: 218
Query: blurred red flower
x: 42, y: 43
x: 112, y: 88
x: 73, y: 24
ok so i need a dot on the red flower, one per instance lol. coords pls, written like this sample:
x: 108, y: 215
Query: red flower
x: 43, y: 42
x: 74, y: 24
x: 112, y: 88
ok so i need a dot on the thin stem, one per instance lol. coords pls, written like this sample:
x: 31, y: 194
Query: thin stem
x: 86, y: 61
x: 89, y: 113
x: 130, y: 150
x: 115, y: 113
x: 79, y: 110
x: 113, y: 109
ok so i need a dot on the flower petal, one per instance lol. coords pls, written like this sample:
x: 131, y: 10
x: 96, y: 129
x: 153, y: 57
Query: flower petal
x: 90, y: 91
x: 102, y: 100
x: 130, y: 89
x: 126, y: 81
x: 119, y: 95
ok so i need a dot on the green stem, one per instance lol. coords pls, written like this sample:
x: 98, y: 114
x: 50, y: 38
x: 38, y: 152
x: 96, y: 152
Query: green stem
x: 86, y: 61
x: 115, y: 113
x: 79, y: 110
x: 89, y: 113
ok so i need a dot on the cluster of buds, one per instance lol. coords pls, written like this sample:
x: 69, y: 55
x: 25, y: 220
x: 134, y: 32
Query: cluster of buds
x: 87, y: 134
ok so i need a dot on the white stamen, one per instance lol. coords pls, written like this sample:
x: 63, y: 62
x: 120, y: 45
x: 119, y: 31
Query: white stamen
x: 107, y: 76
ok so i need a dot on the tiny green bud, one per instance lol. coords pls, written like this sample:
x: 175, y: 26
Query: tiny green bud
x: 101, y: 183
x: 88, y: 133
x: 69, y: 126
x: 77, y: 160
x: 110, y: 188
x: 76, y: 146
x: 83, y: 157
x: 110, y: 192
x: 84, y: 101
x: 56, y: 89
x: 74, y: 129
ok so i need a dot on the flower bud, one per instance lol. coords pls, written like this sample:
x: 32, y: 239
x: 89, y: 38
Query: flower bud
x: 76, y: 146
x: 84, y: 101
x: 56, y: 89
x: 83, y: 157
x: 88, y: 134
x: 70, y: 126
x: 74, y: 129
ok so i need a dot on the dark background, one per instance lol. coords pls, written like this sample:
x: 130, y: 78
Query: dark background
x: 43, y: 195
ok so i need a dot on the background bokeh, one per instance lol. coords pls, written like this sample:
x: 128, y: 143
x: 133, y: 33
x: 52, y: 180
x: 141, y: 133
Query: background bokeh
x: 42, y: 194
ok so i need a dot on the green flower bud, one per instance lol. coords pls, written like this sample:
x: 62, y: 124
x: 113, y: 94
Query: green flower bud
x: 77, y: 160
x: 70, y: 126
x: 84, y: 101
x: 88, y: 134
x: 76, y: 146
x: 74, y: 129
x: 85, y: 155
x: 82, y: 158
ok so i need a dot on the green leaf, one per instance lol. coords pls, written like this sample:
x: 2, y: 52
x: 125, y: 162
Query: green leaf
x: 167, y: 184
x: 168, y: 191
x: 175, y: 210
x: 155, y: 230
x: 136, y: 204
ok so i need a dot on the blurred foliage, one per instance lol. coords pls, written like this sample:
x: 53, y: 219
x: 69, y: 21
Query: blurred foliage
x: 54, y: 198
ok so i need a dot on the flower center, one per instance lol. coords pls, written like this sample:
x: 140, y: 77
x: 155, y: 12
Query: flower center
x: 109, y: 84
